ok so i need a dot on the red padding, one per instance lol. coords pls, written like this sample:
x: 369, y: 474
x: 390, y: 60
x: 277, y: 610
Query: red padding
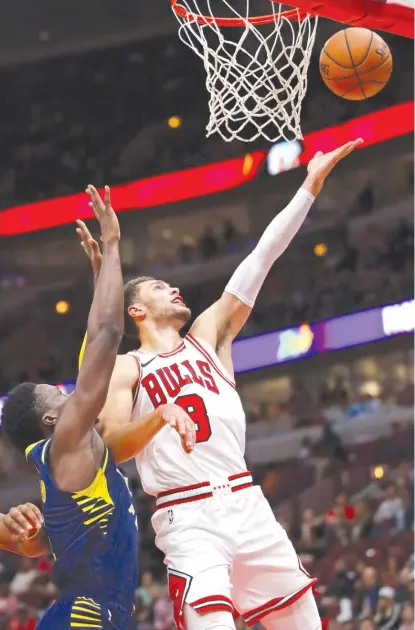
x: 378, y: 14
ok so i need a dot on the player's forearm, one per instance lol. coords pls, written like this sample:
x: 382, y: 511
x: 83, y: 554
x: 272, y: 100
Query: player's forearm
x: 107, y: 310
x: 249, y: 277
x: 128, y: 440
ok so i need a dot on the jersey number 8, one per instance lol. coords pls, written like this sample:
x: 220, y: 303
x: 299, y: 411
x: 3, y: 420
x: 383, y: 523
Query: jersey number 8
x: 195, y: 408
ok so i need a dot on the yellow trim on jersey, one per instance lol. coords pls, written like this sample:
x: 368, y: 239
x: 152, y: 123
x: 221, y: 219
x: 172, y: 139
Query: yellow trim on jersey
x: 96, y: 498
x: 83, y: 501
x: 42, y: 487
x: 88, y: 601
x: 31, y: 447
x: 44, y: 450
x: 104, y: 465
x: 80, y: 608
x: 93, y: 616
x: 98, y: 489
x: 98, y: 517
x: 82, y: 351
x: 75, y: 616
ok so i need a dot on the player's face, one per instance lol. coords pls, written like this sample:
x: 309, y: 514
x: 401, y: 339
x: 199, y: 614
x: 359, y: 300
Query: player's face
x: 52, y: 398
x: 158, y: 301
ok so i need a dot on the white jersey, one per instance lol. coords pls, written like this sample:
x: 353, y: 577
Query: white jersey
x: 193, y: 377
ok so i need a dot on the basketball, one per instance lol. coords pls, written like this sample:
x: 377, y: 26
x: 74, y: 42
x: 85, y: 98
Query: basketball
x: 355, y: 64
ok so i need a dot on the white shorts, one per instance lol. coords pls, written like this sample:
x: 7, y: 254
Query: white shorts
x: 229, y: 553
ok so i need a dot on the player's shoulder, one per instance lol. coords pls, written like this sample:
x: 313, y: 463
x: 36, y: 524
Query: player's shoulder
x: 127, y: 367
x: 37, y: 450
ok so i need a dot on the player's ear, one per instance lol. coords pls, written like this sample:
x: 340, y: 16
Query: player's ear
x: 49, y: 418
x: 136, y: 312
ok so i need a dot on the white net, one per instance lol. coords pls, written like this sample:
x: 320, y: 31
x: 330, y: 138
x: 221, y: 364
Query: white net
x: 256, y: 73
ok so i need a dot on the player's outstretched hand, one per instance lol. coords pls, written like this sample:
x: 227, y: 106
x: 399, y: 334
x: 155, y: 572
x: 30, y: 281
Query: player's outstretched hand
x: 178, y: 419
x: 90, y: 247
x: 23, y: 521
x: 323, y: 163
x: 110, y: 229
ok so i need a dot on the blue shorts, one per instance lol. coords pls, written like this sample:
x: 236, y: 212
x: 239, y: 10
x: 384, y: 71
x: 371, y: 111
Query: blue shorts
x: 83, y: 613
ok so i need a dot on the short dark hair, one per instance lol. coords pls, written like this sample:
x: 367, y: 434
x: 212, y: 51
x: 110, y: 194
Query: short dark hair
x: 22, y: 416
x: 132, y: 288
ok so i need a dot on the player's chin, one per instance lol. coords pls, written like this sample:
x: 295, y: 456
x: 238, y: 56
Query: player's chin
x: 182, y: 312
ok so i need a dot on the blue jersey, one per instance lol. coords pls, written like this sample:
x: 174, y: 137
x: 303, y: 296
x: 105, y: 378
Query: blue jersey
x: 93, y: 534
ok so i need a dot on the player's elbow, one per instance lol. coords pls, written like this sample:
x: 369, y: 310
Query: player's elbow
x: 106, y: 328
x: 110, y: 334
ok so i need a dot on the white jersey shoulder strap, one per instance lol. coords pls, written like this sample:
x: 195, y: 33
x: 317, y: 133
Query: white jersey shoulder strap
x: 136, y: 387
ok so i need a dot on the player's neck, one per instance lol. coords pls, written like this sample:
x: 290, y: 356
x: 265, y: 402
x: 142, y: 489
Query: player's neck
x: 159, y: 340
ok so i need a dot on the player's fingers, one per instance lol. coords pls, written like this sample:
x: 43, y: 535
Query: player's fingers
x: 34, y: 515
x: 169, y: 418
x: 345, y: 149
x: 82, y: 235
x: 107, y: 198
x: 355, y: 144
x: 88, y: 191
x: 98, y: 205
x: 94, y: 209
x: 14, y: 528
x: 81, y: 225
x: 94, y: 247
x: 181, y: 426
x: 85, y: 244
x: 348, y: 148
x: 96, y: 198
x: 186, y: 447
x: 190, y: 435
x: 16, y: 522
x: 83, y: 230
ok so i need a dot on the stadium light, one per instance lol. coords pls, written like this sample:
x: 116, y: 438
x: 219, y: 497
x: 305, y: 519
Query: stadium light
x: 174, y: 122
x: 62, y: 307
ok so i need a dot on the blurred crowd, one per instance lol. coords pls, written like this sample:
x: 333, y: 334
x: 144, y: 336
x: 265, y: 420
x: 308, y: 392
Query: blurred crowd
x: 360, y: 547
x: 373, y: 268
x: 102, y: 116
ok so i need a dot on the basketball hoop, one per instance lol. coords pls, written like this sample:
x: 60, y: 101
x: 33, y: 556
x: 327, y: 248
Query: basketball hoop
x: 256, y: 71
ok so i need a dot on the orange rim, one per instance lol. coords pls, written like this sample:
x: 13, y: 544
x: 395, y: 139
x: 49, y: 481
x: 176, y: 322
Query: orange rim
x: 180, y: 11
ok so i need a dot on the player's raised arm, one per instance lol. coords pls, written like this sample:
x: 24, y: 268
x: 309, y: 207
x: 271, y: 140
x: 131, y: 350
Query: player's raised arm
x: 74, y: 431
x: 21, y: 531
x: 119, y: 404
x: 225, y: 318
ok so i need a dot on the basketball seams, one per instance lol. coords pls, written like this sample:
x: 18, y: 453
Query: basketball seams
x: 367, y: 81
x: 336, y: 62
x: 359, y: 83
x: 366, y: 55
x: 351, y: 76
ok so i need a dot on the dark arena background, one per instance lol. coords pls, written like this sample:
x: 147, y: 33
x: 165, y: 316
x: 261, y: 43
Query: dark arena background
x: 105, y: 93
